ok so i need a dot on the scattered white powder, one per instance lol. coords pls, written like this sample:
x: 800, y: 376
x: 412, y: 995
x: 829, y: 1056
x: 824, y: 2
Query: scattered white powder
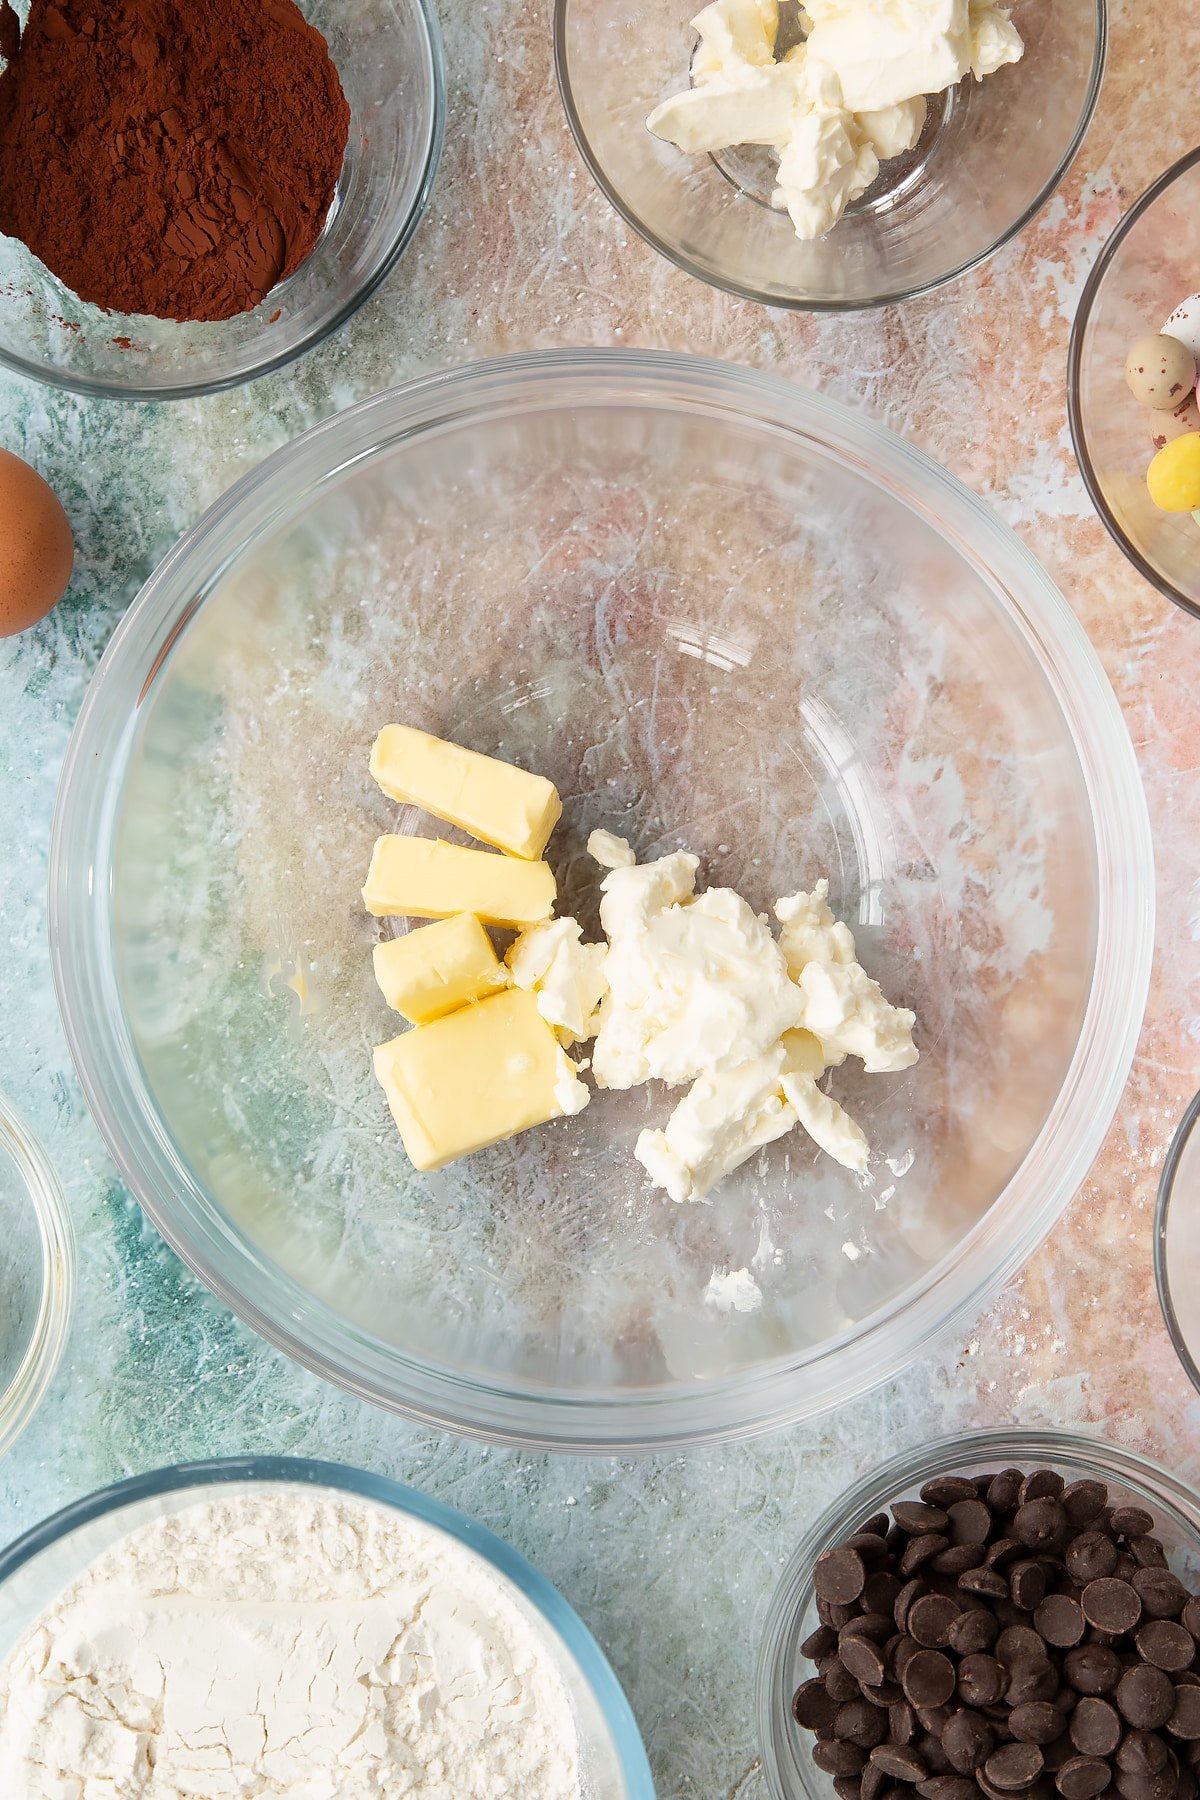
x: 280, y: 1642
x: 733, y: 1290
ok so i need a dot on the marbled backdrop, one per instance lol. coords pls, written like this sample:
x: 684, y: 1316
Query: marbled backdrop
x: 670, y: 1560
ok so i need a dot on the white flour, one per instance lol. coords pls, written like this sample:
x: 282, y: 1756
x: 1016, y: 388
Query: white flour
x: 280, y: 1642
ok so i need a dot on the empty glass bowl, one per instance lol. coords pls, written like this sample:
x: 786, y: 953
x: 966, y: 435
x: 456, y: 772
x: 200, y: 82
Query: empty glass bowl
x: 389, y: 57
x: 1132, y: 1480
x: 992, y: 154
x: 37, y: 1274
x: 718, y: 612
x: 1149, y: 265
x: 1177, y: 1241
x: 35, y: 1570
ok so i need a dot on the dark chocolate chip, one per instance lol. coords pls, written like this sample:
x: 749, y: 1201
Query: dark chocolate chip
x: 917, y: 1518
x: 870, y: 1546
x: 912, y: 1590
x: 1036, y: 1722
x: 839, y: 1577
x: 988, y: 1582
x: 1191, y: 1616
x: 812, y: 1707
x: 900, y: 1761
x: 1083, y: 1501
x: 930, y: 1620
x: 847, y: 1787
x: 929, y: 1678
x: 1142, y: 1753
x: 970, y: 1522
x: 837, y: 1758
x: 1146, y: 1697
x: 840, y: 1682
x: 920, y: 1550
x: 901, y: 1655
x: 948, y: 1787
x: 878, y: 1525
x: 1163, y: 1595
x: 1163, y: 1786
x: 1059, y: 1620
x: 1027, y: 1585
x: 902, y: 1723
x: 1148, y: 1552
x: 1090, y: 1557
x: 861, y: 1723
x: 1043, y: 1484
x: 1131, y: 1521
x: 932, y: 1754
x: 1184, y: 1721
x: 1020, y: 1644
x: 1083, y: 1778
x: 945, y: 1491
x: 1095, y: 1727
x: 1040, y: 1523
x: 967, y: 1740
x: 819, y: 1643
x: 877, y: 1626
x: 885, y: 1695
x: 1004, y: 1492
x: 958, y: 1559
x: 1004, y: 1552
x: 1111, y: 1605
x: 1032, y: 1681
x: 1166, y: 1645
x: 982, y: 1680
x: 880, y: 1592
x: 1014, y: 1767
x: 973, y: 1630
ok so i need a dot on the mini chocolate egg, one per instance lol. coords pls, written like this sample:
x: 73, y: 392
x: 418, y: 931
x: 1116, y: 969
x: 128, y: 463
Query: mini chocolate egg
x: 1184, y: 324
x: 1161, y: 372
x: 36, y: 547
x: 1167, y: 426
x: 1174, y: 476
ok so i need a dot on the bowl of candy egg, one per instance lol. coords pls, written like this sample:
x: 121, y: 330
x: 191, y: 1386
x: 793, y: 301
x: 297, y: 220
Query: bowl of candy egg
x: 828, y: 156
x: 1135, y: 420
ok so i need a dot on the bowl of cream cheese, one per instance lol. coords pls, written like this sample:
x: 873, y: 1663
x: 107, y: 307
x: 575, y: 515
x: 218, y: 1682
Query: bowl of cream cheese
x: 285, y: 1627
x: 837, y: 156
x: 838, y: 726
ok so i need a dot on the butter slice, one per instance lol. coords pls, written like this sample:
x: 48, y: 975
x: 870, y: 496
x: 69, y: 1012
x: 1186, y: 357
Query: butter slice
x: 475, y: 1077
x: 438, y: 968
x: 425, y: 878
x: 493, y: 800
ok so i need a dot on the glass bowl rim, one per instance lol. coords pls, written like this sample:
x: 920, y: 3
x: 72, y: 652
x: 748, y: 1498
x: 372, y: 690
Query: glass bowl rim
x: 557, y: 1613
x: 21, y: 1147
x: 892, y: 1479
x: 141, y: 390
x: 896, y: 296
x: 1075, y: 419
x: 1166, y: 1190
x: 768, y: 1396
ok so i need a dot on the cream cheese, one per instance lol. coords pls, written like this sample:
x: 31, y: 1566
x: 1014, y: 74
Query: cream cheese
x: 566, y: 975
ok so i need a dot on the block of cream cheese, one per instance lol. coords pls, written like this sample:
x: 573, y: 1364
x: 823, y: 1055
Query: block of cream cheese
x: 438, y: 968
x: 425, y: 878
x: 493, y: 800
x: 477, y: 1076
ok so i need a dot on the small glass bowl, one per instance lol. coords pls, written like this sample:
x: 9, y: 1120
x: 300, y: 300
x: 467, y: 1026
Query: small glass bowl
x: 41, y: 1563
x: 37, y: 1274
x: 1149, y: 264
x: 792, y: 1614
x: 389, y: 57
x: 992, y: 154
x: 1177, y: 1242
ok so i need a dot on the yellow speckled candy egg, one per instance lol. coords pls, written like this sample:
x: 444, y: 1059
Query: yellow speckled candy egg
x: 36, y: 548
x: 1161, y: 372
x: 1174, y: 476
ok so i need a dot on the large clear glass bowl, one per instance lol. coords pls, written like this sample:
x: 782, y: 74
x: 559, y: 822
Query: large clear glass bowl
x: 717, y: 611
x: 1132, y: 1480
x: 389, y: 57
x: 1177, y: 1241
x: 991, y: 155
x: 37, y: 1274
x: 1148, y: 266
x: 38, y: 1566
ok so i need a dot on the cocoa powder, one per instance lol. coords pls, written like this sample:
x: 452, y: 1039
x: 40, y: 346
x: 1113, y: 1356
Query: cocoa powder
x: 171, y: 157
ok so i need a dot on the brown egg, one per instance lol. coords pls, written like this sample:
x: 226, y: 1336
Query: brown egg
x: 36, y: 547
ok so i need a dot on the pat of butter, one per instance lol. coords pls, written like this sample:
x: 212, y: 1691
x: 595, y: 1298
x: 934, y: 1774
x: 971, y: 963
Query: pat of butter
x: 438, y: 968
x: 494, y: 801
x: 475, y: 1077
x: 425, y: 878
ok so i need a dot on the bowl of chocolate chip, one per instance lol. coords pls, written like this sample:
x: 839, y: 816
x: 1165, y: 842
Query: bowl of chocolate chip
x: 185, y: 208
x: 1005, y: 1616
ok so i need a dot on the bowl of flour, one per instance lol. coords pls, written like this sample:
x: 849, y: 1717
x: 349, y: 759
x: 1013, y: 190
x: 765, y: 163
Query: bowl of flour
x: 280, y: 1627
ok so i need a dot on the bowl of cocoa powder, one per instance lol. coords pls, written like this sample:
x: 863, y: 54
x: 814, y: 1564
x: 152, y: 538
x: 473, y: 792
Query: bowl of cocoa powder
x: 195, y: 192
